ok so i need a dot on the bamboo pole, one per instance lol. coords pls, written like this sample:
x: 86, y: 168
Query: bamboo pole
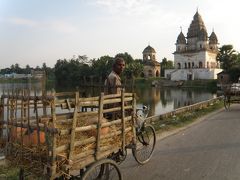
x: 15, y: 113
x: 54, y: 138
x: 48, y: 98
x: 28, y: 115
x: 74, y: 123
x: 1, y: 116
x: 133, y: 119
x: 44, y: 105
x: 92, y: 140
x: 37, y: 118
x: 123, y: 116
x: 100, y: 116
x: 9, y: 126
x: 94, y: 126
x: 22, y: 116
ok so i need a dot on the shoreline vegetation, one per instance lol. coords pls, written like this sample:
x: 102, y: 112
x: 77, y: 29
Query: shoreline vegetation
x: 174, y: 122
x: 137, y: 83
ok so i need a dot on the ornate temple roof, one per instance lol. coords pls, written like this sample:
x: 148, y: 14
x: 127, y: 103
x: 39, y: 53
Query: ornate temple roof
x: 181, y: 38
x: 149, y: 49
x: 213, y: 38
x: 196, y: 26
x: 203, y: 36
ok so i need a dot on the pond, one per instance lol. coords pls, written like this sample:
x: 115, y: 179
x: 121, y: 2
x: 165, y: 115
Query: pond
x: 158, y: 99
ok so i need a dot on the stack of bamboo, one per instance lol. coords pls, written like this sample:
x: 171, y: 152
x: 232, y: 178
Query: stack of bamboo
x: 56, y: 133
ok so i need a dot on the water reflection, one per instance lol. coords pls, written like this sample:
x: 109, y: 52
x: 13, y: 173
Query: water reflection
x: 160, y: 100
x: 5, y: 87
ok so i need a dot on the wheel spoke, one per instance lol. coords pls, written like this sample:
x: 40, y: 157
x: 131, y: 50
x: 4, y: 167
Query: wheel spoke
x: 103, y: 170
x: 146, y: 140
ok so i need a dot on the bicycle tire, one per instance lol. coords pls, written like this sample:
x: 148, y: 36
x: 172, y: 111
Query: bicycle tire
x: 104, y: 169
x: 227, y: 102
x: 145, y: 144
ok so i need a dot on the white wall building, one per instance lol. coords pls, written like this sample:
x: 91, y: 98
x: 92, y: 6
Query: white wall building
x: 195, y: 55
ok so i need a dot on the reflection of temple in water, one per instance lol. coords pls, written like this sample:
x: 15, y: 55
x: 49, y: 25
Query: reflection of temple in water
x: 149, y: 97
x: 186, y: 97
x: 162, y: 100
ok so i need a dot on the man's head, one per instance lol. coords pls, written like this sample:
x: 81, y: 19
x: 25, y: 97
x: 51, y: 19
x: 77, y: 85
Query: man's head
x: 118, y: 65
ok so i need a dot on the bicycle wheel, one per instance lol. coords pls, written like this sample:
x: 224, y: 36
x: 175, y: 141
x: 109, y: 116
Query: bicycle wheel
x: 146, y: 140
x: 105, y: 169
x: 226, y: 102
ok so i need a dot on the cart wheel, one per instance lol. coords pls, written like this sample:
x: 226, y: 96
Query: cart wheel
x: 104, y: 169
x: 146, y: 140
x: 122, y: 156
x: 226, y: 102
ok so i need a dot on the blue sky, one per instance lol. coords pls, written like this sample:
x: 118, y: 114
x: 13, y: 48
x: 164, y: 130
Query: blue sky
x: 37, y: 31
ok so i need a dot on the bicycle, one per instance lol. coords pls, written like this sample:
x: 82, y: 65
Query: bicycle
x: 145, y: 141
x: 146, y: 137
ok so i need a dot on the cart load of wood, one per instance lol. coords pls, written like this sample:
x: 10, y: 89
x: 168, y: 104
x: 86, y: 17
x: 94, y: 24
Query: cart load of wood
x: 57, y: 133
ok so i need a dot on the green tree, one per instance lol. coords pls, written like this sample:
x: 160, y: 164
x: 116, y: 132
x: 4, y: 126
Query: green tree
x: 133, y: 69
x: 27, y: 69
x: 227, y: 56
x: 71, y: 72
x: 127, y: 57
x: 166, y: 64
x: 102, y: 66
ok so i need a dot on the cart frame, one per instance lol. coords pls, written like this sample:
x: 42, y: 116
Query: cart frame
x: 72, y: 141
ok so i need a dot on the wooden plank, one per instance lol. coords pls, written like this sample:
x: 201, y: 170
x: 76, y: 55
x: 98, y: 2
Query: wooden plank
x: 54, y: 138
x: 123, y: 122
x: 89, y: 99
x: 128, y: 94
x: 25, y: 97
x: 116, y: 109
x: 94, y: 126
x: 74, y: 126
x: 1, y: 116
x: 89, y: 103
x: 116, y: 100
x: 65, y: 94
x: 84, y: 154
x: 76, y: 143
x: 100, y: 116
x: 110, y: 96
x: 37, y: 118
x: 134, y: 116
x: 22, y: 117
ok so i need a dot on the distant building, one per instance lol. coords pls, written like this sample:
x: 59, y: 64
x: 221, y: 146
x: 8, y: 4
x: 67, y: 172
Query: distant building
x: 195, y: 55
x: 16, y: 76
x: 38, y: 74
x: 151, y: 68
x: 223, y: 78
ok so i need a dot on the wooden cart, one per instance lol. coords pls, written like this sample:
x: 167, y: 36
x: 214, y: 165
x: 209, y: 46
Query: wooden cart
x: 231, y: 94
x: 61, y: 135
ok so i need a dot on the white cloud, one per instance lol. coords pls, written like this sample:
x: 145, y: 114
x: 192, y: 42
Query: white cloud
x: 21, y: 21
x: 129, y: 7
x: 63, y: 27
x: 56, y: 25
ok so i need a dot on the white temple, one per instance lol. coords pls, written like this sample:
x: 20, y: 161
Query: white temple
x: 195, y: 55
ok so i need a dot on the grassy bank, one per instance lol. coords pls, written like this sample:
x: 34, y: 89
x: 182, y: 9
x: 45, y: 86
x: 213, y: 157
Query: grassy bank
x: 203, y: 84
x: 184, y: 119
x: 206, y: 84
